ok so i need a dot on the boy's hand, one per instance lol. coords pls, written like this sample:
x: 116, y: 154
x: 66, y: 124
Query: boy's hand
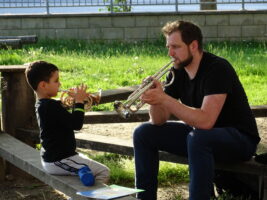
x: 80, y: 93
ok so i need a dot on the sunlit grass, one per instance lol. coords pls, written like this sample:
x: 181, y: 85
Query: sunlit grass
x: 110, y: 65
x: 122, y: 169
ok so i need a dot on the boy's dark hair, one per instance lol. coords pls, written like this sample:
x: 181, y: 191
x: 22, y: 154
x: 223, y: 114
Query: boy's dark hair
x: 39, y: 71
x: 189, y: 32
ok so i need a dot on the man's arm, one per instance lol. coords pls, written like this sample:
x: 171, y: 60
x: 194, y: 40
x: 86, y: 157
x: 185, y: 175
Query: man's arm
x: 158, y: 114
x: 164, y: 105
x: 202, y: 118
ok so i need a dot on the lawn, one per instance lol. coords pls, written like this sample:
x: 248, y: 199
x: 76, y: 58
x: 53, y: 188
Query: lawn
x: 113, y: 65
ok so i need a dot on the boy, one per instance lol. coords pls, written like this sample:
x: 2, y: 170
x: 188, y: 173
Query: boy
x: 57, y: 125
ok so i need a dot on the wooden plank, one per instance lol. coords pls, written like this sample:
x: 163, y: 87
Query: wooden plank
x: 116, y: 94
x: 113, y: 117
x: 125, y: 147
x: 12, y: 68
x: 28, y: 159
x: 259, y: 111
x: 142, y: 115
x: 25, y: 39
x: 10, y: 43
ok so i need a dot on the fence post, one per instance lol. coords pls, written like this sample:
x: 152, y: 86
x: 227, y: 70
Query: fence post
x: 47, y: 7
x: 111, y: 6
x: 176, y: 5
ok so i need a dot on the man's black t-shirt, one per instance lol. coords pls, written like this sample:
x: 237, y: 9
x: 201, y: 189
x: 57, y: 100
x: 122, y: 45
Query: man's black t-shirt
x: 56, y: 128
x: 216, y: 76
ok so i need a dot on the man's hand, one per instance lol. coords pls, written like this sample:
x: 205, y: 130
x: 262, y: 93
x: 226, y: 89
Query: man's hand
x: 155, y: 95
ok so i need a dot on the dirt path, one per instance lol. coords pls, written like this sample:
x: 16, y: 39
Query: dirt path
x: 32, y: 189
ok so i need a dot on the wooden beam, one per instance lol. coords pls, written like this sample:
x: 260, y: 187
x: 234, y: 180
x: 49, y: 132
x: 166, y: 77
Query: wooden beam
x: 13, y: 68
x: 10, y: 43
x: 25, y: 39
x: 142, y: 115
x: 117, y: 94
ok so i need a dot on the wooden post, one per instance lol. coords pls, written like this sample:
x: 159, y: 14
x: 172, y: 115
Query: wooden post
x: 18, y: 102
x: 2, y: 169
x: 208, y: 5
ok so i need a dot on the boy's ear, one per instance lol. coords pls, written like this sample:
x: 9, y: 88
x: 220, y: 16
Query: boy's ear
x: 42, y: 85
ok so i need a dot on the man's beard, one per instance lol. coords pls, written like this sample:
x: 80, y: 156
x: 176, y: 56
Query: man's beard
x: 186, y: 62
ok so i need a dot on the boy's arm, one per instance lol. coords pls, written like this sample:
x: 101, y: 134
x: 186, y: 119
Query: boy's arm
x: 66, y: 119
x: 78, y: 116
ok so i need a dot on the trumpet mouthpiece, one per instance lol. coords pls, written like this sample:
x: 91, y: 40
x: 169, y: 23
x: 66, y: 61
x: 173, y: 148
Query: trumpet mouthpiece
x: 61, y: 90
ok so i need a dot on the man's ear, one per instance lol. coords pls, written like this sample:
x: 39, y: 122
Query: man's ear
x: 194, y: 45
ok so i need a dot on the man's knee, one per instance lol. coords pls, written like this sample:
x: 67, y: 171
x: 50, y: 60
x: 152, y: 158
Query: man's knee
x: 142, y: 131
x: 197, y: 137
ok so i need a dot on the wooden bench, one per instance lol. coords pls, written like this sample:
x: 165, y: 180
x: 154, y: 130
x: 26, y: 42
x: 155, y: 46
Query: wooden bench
x: 28, y: 159
x: 16, y: 42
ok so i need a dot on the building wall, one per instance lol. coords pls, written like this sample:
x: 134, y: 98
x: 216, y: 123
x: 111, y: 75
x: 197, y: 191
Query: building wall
x: 216, y: 25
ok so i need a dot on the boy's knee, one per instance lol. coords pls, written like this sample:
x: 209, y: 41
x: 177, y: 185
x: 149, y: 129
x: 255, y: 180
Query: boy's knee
x: 104, y: 175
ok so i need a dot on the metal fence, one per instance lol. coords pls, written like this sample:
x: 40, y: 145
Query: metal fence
x: 128, y: 5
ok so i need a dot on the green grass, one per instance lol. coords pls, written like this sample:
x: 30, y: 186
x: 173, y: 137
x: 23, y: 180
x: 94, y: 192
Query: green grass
x: 117, y: 64
x: 122, y: 170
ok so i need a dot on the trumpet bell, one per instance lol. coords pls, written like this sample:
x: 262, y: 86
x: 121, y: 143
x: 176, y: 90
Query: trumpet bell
x: 68, y: 101
x: 122, y: 110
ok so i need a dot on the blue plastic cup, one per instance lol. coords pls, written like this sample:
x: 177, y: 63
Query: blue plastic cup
x: 86, y: 176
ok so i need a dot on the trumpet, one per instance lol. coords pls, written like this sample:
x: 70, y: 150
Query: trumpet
x: 133, y: 103
x: 67, y: 99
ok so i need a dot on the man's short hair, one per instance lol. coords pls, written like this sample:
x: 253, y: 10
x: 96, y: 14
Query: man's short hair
x: 39, y: 71
x: 189, y: 32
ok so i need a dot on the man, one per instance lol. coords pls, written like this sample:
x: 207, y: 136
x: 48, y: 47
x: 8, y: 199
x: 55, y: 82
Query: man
x: 208, y: 97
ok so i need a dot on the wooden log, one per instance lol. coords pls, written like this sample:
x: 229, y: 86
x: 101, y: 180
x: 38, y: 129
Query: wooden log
x: 25, y: 39
x: 10, y: 43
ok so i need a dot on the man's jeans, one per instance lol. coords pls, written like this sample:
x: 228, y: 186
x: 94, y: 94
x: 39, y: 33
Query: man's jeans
x: 202, y: 147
